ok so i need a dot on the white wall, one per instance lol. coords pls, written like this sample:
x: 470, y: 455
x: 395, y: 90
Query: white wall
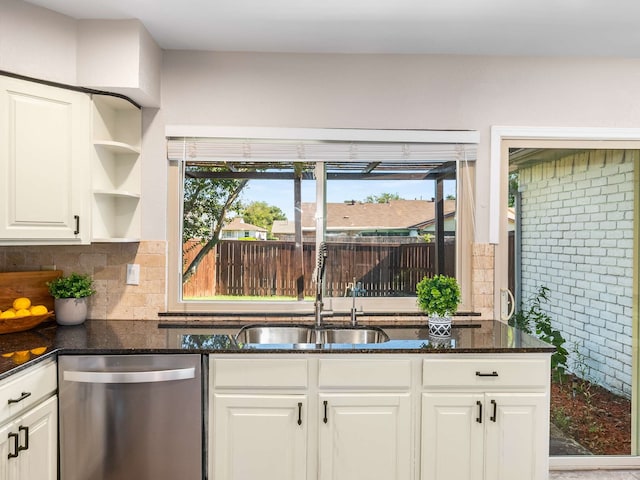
x: 36, y: 42
x: 401, y: 91
x: 119, y: 56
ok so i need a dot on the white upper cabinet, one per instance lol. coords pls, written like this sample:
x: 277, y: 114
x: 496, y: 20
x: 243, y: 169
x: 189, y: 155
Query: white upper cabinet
x: 44, y: 167
x: 69, y: 166
x: 116, y: 180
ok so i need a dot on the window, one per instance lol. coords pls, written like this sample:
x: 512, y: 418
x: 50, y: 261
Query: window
x: 251, y: 215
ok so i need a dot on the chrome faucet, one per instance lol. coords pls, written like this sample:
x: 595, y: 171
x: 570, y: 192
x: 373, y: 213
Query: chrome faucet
x: 356, y: 289
x: 319, y: 279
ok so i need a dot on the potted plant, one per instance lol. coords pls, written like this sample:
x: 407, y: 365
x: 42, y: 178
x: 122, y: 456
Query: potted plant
x: 70, y: 297
x: 438, y: 297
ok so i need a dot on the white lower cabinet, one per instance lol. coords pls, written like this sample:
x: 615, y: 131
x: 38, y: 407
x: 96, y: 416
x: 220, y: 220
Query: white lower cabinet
x: 517, y: 440
x: 29, y: 425
x: 29, y: 444
x: 260, y: 436
x: 284, y: 418
x: 365, y: 436
x: 326, y: 417
x: 452, y: 437
x: 469, y: 436
x: 491, y: 427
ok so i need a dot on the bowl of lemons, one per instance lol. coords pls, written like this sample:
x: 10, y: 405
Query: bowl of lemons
x: 22, y: 315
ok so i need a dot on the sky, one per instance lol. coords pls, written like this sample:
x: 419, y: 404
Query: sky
x: 280, y: 192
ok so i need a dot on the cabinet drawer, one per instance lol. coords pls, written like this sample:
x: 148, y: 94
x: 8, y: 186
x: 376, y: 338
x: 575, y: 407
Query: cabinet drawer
x: 32, y: 385
x: 359, y: 373
x: 485, y: 373
x: 260, y: 373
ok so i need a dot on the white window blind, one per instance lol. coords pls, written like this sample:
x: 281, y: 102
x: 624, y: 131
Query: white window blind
x: 342, y: 149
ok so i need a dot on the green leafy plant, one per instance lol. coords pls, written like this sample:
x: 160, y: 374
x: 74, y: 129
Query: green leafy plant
x: 534, y: 320
x: 74, y: 285
x: 561, y: 419
x: 438, y: 295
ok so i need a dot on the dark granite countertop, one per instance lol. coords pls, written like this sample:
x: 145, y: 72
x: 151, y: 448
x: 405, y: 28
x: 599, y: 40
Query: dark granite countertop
x: 19, y: 350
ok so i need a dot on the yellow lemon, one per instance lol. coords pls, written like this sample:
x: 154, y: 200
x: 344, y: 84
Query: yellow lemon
x: 21, y: 303
x: 38, y: 310
x: 7, y: 314
x: 8, y: 355
x: 23, y: 312
x: 39, y: 350
x: 21, y: 357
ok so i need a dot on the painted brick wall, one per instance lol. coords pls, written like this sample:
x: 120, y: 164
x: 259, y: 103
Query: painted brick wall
x: 577, y: 240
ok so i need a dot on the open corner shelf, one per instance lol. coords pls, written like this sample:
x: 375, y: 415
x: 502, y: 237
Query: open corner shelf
x: 116, y: 170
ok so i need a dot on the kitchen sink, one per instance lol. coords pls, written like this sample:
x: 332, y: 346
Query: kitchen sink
x: 352, y: 335
x: 294, y: 334
x: 275, y: 334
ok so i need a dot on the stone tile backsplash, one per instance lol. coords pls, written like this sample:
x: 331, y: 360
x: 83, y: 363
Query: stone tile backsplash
x: 107, y: 264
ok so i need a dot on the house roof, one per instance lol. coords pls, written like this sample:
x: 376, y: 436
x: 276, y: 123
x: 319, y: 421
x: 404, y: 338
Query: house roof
x: 239, y: 225
x: 394, y: 215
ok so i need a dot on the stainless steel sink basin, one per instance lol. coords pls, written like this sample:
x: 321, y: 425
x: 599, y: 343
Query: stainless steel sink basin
x: 297, y: 334
x: 275, y: 334
x: 351, y: 335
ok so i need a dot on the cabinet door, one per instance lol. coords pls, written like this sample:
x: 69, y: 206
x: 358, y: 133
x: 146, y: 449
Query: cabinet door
x: 364, y: 437
x: 452, y: 436
x: 8, y: 445
x: 36, y: 436
x: 517, y: 436
x: 38, y: 431
x: 259, y: 436
x: 44, y: 163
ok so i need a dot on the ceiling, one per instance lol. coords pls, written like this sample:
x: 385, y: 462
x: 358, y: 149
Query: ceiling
x: 469, y: 27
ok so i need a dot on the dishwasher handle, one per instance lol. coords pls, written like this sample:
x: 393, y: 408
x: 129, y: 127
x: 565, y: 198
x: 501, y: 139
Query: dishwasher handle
x: 129, y: 377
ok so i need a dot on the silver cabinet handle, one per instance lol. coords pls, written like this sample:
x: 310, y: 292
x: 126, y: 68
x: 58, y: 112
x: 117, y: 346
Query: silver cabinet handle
x: 130, y: 377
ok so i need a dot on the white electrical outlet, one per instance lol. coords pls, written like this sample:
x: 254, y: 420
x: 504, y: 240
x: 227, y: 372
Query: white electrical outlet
x: 133, y: 274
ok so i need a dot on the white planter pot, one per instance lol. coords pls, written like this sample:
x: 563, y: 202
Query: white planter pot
x: 440, y: 341
x: 439, y: 326
x: 70, y: 311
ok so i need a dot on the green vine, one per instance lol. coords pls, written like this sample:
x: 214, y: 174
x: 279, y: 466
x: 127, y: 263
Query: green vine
x: 532, y: 319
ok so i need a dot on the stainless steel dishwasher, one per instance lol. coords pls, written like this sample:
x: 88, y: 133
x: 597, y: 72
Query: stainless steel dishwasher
x: 126, y: 417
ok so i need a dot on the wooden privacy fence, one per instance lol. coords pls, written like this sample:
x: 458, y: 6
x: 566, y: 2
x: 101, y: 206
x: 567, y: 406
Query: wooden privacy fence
x: 269, y: 268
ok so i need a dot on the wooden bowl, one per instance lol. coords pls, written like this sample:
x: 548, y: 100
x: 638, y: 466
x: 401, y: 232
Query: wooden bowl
x: 20, y: 324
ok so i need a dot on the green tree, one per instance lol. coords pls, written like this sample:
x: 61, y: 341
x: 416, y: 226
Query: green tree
x: 262, y: 214
x: 513, y: 188
x: 208, y: 203
x: 382, y: 198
